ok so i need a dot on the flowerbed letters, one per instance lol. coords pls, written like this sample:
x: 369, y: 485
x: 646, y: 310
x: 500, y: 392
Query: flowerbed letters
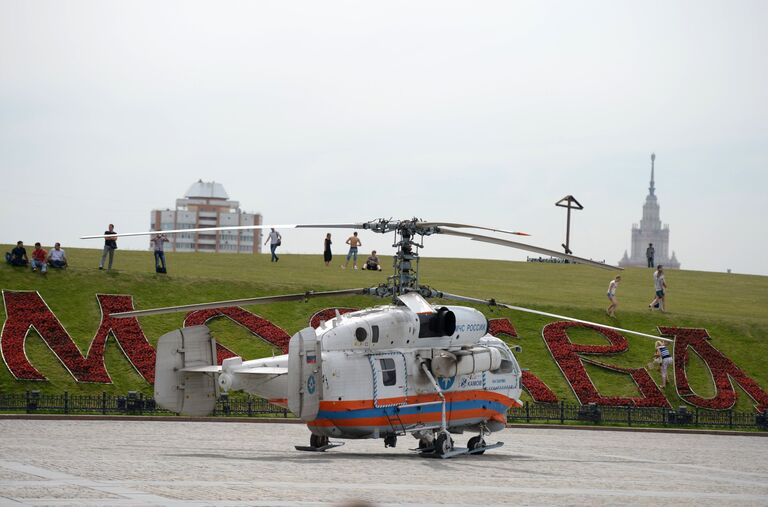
x: 26, y: 310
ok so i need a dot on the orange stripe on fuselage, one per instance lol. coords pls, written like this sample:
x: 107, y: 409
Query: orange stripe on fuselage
x: 407, y: 420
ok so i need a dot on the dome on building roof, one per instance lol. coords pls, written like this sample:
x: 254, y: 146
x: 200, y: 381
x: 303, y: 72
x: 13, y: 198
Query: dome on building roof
x: 206, y: 189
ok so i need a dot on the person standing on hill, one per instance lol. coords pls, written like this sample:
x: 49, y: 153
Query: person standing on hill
x: 660, y: 286
x: 158, y: 241
x: 354, y: 243
x: 110, y: 245
x: 327, y: 255
x: 650, y: 254
x: 611, y: 310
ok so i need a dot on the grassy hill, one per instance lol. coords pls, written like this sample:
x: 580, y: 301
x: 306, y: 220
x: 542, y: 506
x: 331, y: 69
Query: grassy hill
x: 733, y: 308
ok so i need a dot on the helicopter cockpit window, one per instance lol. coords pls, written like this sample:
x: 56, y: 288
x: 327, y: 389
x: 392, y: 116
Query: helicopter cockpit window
x: 388, y: 373
x: 507, y: 361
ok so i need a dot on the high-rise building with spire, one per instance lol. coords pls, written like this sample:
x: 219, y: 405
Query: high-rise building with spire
x: 650, y: 231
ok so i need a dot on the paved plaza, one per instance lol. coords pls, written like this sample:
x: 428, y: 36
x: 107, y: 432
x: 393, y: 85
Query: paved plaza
x: 125, y: 463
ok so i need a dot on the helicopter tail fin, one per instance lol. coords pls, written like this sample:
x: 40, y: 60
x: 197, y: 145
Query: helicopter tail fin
x: 305, y: 374
x: 187, y: 392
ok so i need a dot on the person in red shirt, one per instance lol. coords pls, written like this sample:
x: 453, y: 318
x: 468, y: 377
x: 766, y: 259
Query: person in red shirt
x: 39, y: 257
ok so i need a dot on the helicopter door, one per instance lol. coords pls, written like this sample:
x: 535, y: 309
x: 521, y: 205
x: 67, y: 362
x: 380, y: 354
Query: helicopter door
x: 389, y: 379
x: 305, y: 375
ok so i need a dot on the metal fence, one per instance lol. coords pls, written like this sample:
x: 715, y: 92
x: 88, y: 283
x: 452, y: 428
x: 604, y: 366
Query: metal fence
x: 239, y: 405
x: 133, y: 403
x: 683, y: 416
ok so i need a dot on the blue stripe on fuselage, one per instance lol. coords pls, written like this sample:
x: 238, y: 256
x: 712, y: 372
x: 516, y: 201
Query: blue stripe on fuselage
x: 406, y: 410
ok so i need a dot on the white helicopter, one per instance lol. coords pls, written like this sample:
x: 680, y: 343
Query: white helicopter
x: 382, y: 372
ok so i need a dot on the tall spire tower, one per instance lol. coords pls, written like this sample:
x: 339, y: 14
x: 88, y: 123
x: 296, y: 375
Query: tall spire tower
x: 650, y: 232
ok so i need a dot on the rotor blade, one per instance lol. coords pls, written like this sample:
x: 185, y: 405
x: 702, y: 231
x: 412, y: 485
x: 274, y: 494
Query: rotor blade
x: 228, y: 228
x: 493, y: 302
x: 467, y: 226
x: 531, y: 248
x: 240, y: 302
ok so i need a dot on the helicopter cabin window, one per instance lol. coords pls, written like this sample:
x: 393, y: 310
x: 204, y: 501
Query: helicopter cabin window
x: 375, y: 334
x: 388, y: 373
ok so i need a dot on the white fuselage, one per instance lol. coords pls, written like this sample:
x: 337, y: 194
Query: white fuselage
x: 372, y: 378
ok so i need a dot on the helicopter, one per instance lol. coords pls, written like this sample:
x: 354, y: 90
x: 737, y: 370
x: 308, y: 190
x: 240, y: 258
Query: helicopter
x: 407, y: 367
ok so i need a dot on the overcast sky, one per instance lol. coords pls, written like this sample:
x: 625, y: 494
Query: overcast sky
x: 480, y: 112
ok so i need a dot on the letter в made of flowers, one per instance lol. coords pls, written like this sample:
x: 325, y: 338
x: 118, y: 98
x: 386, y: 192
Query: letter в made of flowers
x: 722, y: 369
x: 566, y: 355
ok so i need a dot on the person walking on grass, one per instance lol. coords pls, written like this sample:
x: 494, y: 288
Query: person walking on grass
x: 275, y: 240
x: 611, y: 310
x: 666, y: 360
x: 660, y: 286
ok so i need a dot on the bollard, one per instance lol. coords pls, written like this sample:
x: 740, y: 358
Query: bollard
x: 33, y: 398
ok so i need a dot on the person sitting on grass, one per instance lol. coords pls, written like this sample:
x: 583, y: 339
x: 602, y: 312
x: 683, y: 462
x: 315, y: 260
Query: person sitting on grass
x: 17, y: 256
x: 372, y: 262
x: 56, y: 257
x: 39, y: 256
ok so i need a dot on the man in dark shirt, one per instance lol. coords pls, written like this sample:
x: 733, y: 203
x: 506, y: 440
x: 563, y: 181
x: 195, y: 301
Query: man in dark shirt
x: 649, y: 254
x: 372, y: 262
x: 110, y: 245
x: 18, y: 256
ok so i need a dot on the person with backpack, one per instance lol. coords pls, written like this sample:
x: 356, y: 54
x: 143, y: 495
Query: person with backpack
x: 275, y: 240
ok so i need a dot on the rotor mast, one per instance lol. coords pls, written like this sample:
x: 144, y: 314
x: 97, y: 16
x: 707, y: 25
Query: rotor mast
x: 406, y: 261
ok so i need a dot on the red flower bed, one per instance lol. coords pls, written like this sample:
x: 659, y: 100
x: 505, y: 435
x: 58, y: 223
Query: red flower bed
x: 259, y: 326
x: 566, y: 355
x: 722, y: 369
x: 127, y: 333
x: 26, y: 310
x: 538, y: 390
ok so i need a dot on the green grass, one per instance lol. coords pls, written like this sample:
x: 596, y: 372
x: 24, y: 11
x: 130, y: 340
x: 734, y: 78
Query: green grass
x: 733, y: 308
